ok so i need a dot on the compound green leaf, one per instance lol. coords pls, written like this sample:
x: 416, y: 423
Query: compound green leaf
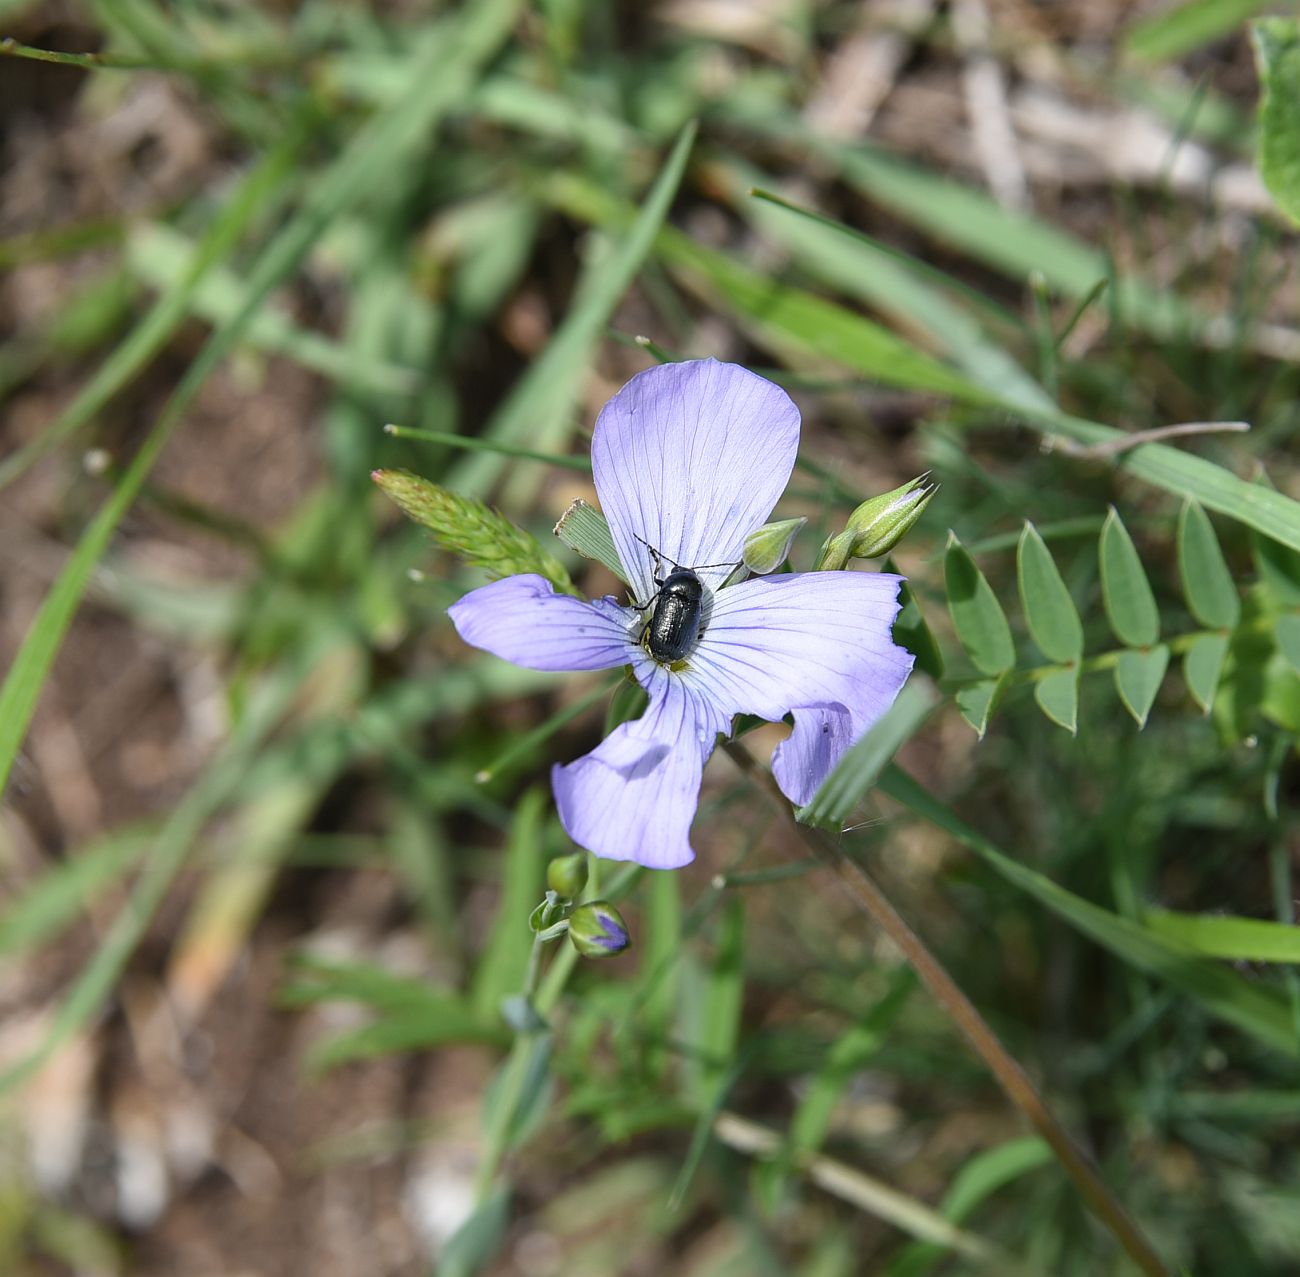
x: 977, y: 616
x: 976, y: 702
x: 1203, y: 667
x: 1053, y: 619
x: 1130, y: 605
x: 1207, y: 583
x: 1057, y: 694
x: 1137, y: 679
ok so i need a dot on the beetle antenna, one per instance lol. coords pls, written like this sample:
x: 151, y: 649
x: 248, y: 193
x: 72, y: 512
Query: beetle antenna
x: 659, y: 554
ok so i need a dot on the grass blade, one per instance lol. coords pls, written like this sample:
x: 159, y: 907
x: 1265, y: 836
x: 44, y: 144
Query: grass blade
x: 1253, y: 1008
x: 439, y: 80
x: 539, y: 406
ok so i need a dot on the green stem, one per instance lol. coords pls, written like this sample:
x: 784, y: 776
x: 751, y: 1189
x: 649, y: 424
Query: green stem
x: 1178, y: 644
x: 544, y: 992
x: 1009, y: 1075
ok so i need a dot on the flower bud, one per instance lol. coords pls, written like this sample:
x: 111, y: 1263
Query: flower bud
x: 768, y: 547
x: 598, y: 930
x: 567, y: 875
x: 878, y: 525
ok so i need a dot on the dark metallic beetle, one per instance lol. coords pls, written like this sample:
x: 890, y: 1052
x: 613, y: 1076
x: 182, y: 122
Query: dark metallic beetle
x: 676, y: 609
x: 674, y: 624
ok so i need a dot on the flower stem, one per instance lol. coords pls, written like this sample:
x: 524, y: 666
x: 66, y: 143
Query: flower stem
x: 1007, y: 1072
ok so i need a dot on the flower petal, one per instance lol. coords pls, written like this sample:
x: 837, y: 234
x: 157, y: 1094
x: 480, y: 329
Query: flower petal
x: 691, y: 457
x: 634, y: 796
x: 522, y: 619
x: 822, y: 734
x: 818, y: 642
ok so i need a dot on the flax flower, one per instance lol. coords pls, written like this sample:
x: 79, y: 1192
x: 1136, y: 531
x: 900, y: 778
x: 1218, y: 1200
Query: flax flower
x: 689, y: 459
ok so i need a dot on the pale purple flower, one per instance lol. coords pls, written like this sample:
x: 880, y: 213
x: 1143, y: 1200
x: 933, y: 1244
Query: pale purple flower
x: 692, y: 457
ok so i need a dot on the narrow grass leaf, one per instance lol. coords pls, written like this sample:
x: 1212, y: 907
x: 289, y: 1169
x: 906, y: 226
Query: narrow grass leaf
x: 978, y: 1180
x: 1277, y: 56
x: 659, y: 978
x: 537, y: 410
x: 724, y: 991
x: 472, y: 1246
x: 1138, y: 676
x: 440, y: 78
x: 1235, y: 939
x: 780, y: 313
x: 313, y: 980
x: 59, y: 897
x: 1125, y: 590
x: 811, y: 324
x: 1185, y: 27
x: 1203, y: 667
x: 1186, y: 475
x: 858, y: 770
x: 264, y: 187
x: 977, y: 616
x: 163, y: 257
x: 472, y: 443
x: 445, y: 1020
x: 784, y: 315
x: 1252, y: 1007
x: 850, y: 262
x: 505, y: 957
x: 1207, y: 584
x: 1057, y: 695
x: 168, y: 852
x: 851, y: 1052
x: 1049, y: 610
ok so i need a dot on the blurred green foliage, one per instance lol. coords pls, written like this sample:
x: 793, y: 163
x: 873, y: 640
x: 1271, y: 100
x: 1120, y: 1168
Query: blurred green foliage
x: 476, y: 222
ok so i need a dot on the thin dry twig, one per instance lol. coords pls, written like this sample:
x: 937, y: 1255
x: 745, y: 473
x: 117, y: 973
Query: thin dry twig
x: 865, y: 891
x: 1156, y: 434
x: 863, y: 1192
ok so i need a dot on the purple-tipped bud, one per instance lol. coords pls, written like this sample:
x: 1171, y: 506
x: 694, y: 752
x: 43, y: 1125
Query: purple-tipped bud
x: 598, y: 930
x: 567, y: 875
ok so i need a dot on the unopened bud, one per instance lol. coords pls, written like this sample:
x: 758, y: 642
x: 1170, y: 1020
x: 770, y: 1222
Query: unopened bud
x: 567, y: 875
x: 769, y: 547
x: 598, y: 930
x: 878, y: 525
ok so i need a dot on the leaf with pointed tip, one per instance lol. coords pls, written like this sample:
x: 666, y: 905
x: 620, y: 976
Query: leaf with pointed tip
x: 976, y: 702
x: 977, y: 616
x: 1207, y: 583
x: 1137, y: 679
x: 1049, y: 610
x: 1125, y: 591
x: 1203, y: 667
x: 1057, y: 695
